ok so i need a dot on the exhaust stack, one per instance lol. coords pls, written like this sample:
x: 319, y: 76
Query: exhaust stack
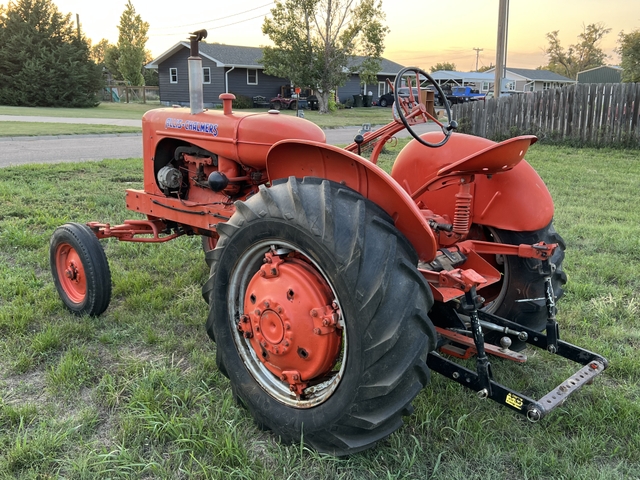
x: 196, y: 93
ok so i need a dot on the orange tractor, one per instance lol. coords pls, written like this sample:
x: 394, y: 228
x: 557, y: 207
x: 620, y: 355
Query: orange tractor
x: 336, y: 288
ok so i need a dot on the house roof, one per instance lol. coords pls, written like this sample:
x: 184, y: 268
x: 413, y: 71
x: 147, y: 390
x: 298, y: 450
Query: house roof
x: 249, y: 57
x: 464, y: 77
x: 537, y: 75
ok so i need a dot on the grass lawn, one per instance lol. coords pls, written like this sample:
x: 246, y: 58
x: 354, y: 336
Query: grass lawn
x: 340, y: 118
x: 135, y: 393
x: 25, y: 129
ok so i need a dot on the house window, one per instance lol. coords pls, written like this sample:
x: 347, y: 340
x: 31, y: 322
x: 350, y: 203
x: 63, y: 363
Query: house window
x: 546, y: 85
x: 252, y: 76
x: 485, y: 86
x: 206, y: 75
x: 511, y: 86
x: 173, y: 75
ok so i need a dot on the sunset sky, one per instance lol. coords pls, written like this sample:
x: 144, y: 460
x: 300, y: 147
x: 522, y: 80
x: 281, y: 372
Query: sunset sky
x: 422, y: 32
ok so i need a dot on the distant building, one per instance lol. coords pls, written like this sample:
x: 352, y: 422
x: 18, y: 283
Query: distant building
x: 602, y: 74
x: 532, y: 80
x: 483, y: 82
x: 238, y: 70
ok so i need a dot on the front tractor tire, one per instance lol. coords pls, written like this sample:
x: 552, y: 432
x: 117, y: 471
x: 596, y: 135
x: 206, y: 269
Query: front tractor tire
x: 319, y: 315
x: 80, y: 269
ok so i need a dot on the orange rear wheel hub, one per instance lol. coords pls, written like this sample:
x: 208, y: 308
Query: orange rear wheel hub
x: 291, y: 320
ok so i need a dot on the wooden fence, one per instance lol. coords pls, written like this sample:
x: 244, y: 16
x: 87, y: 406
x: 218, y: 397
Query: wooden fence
x: 583, y: 114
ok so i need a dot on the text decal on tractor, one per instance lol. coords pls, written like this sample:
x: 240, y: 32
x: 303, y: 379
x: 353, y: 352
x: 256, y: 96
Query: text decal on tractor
x: 336, y: 288
x: 190, y: 126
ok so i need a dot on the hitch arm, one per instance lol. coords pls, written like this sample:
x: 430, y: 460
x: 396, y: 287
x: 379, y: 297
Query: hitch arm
x: 592, y: 366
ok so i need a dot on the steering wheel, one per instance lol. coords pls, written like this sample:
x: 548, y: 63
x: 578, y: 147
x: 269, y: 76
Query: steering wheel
x: 411, y: 112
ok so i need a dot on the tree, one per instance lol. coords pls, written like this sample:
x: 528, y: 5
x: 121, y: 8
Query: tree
x: 578, y: 57
x: 443, y: 66
x: 99, y: 50
x: 486, y: 68
x: 131, y: 45
x: 629, y: 51
x: 43, y: 60
x: 317, y: 42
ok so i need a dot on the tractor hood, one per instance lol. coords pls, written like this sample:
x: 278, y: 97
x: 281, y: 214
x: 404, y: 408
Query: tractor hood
x: 243, y: 137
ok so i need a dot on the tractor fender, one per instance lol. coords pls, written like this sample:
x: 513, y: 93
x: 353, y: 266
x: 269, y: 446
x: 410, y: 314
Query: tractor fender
x: 299, y: 158
x: 516, y: 199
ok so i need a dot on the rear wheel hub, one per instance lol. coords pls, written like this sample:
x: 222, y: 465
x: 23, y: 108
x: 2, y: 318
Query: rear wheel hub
x: 291, y: 321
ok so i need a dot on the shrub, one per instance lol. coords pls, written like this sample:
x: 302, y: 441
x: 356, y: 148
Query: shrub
x: 242, y: 101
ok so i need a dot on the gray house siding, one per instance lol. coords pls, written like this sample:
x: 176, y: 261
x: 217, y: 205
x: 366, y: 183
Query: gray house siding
x: 267, y: 86
x: 213, y: 90
x: 178, y: 93
x: 174, y: 93
x: 349, y: 89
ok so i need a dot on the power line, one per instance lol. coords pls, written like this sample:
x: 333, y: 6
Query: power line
x: 221, y: 18
x: 216, y: 28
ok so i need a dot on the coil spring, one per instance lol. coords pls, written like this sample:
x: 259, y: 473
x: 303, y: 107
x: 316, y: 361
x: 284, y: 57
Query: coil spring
x: 462, y: 213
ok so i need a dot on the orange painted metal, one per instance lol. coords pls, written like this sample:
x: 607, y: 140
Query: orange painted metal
x: 301, y: 159
x: 469, y: 347
x: 474, y: 272
x: 244, y: 138
x: 71, y: 272
x: 291, y: 321
x: 516, y: 199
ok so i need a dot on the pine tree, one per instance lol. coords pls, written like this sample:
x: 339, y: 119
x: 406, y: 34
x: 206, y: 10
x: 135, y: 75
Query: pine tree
x: 43, y: 62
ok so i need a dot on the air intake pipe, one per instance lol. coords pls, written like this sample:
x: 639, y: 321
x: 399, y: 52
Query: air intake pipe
x: 196, y: 93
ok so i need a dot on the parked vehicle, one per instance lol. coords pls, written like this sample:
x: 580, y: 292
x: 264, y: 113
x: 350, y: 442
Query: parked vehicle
x: 335, y: 288
x: 289, y: 99
x: 464, y: 94
x: 387, y: 99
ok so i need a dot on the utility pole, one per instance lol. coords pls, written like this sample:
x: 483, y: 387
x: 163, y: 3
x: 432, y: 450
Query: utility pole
x: 78, y: 25
x: 478, y: 50
x: 501, y: 48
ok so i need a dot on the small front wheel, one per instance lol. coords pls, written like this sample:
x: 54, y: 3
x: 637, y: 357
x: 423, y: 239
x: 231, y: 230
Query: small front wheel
x: 80, y: 269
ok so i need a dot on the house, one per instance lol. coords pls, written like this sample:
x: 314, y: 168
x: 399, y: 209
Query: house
x: 529, y: 80
x: 481, y: 81
x: 236, y: 69
x: 602, y: 74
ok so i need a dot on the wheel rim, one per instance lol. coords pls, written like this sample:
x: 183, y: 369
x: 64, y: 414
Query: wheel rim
x: 71, y: 273
x: 278, y: 301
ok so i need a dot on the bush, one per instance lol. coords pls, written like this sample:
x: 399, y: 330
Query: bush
x: 242, y: 101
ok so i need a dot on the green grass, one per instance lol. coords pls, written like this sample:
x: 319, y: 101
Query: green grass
x: 133, y: 111
x: 25, y: 129
x: 340, y: 118
x: 135, y: 393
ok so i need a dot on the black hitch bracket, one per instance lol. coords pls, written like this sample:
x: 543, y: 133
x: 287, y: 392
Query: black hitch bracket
x: 592, y: 365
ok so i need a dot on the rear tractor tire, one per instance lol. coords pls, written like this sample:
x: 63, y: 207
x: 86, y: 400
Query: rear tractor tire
x: 520, y: 296
x: 319, y: 315
x: 80, y: 269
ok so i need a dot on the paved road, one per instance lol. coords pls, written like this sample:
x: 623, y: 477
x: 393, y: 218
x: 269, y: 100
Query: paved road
x: 76, y: 148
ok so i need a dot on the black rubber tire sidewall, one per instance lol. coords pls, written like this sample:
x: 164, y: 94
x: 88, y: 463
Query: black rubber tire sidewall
x: 94, y: 262
x: 338, y: 417
x: 526, y: 280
